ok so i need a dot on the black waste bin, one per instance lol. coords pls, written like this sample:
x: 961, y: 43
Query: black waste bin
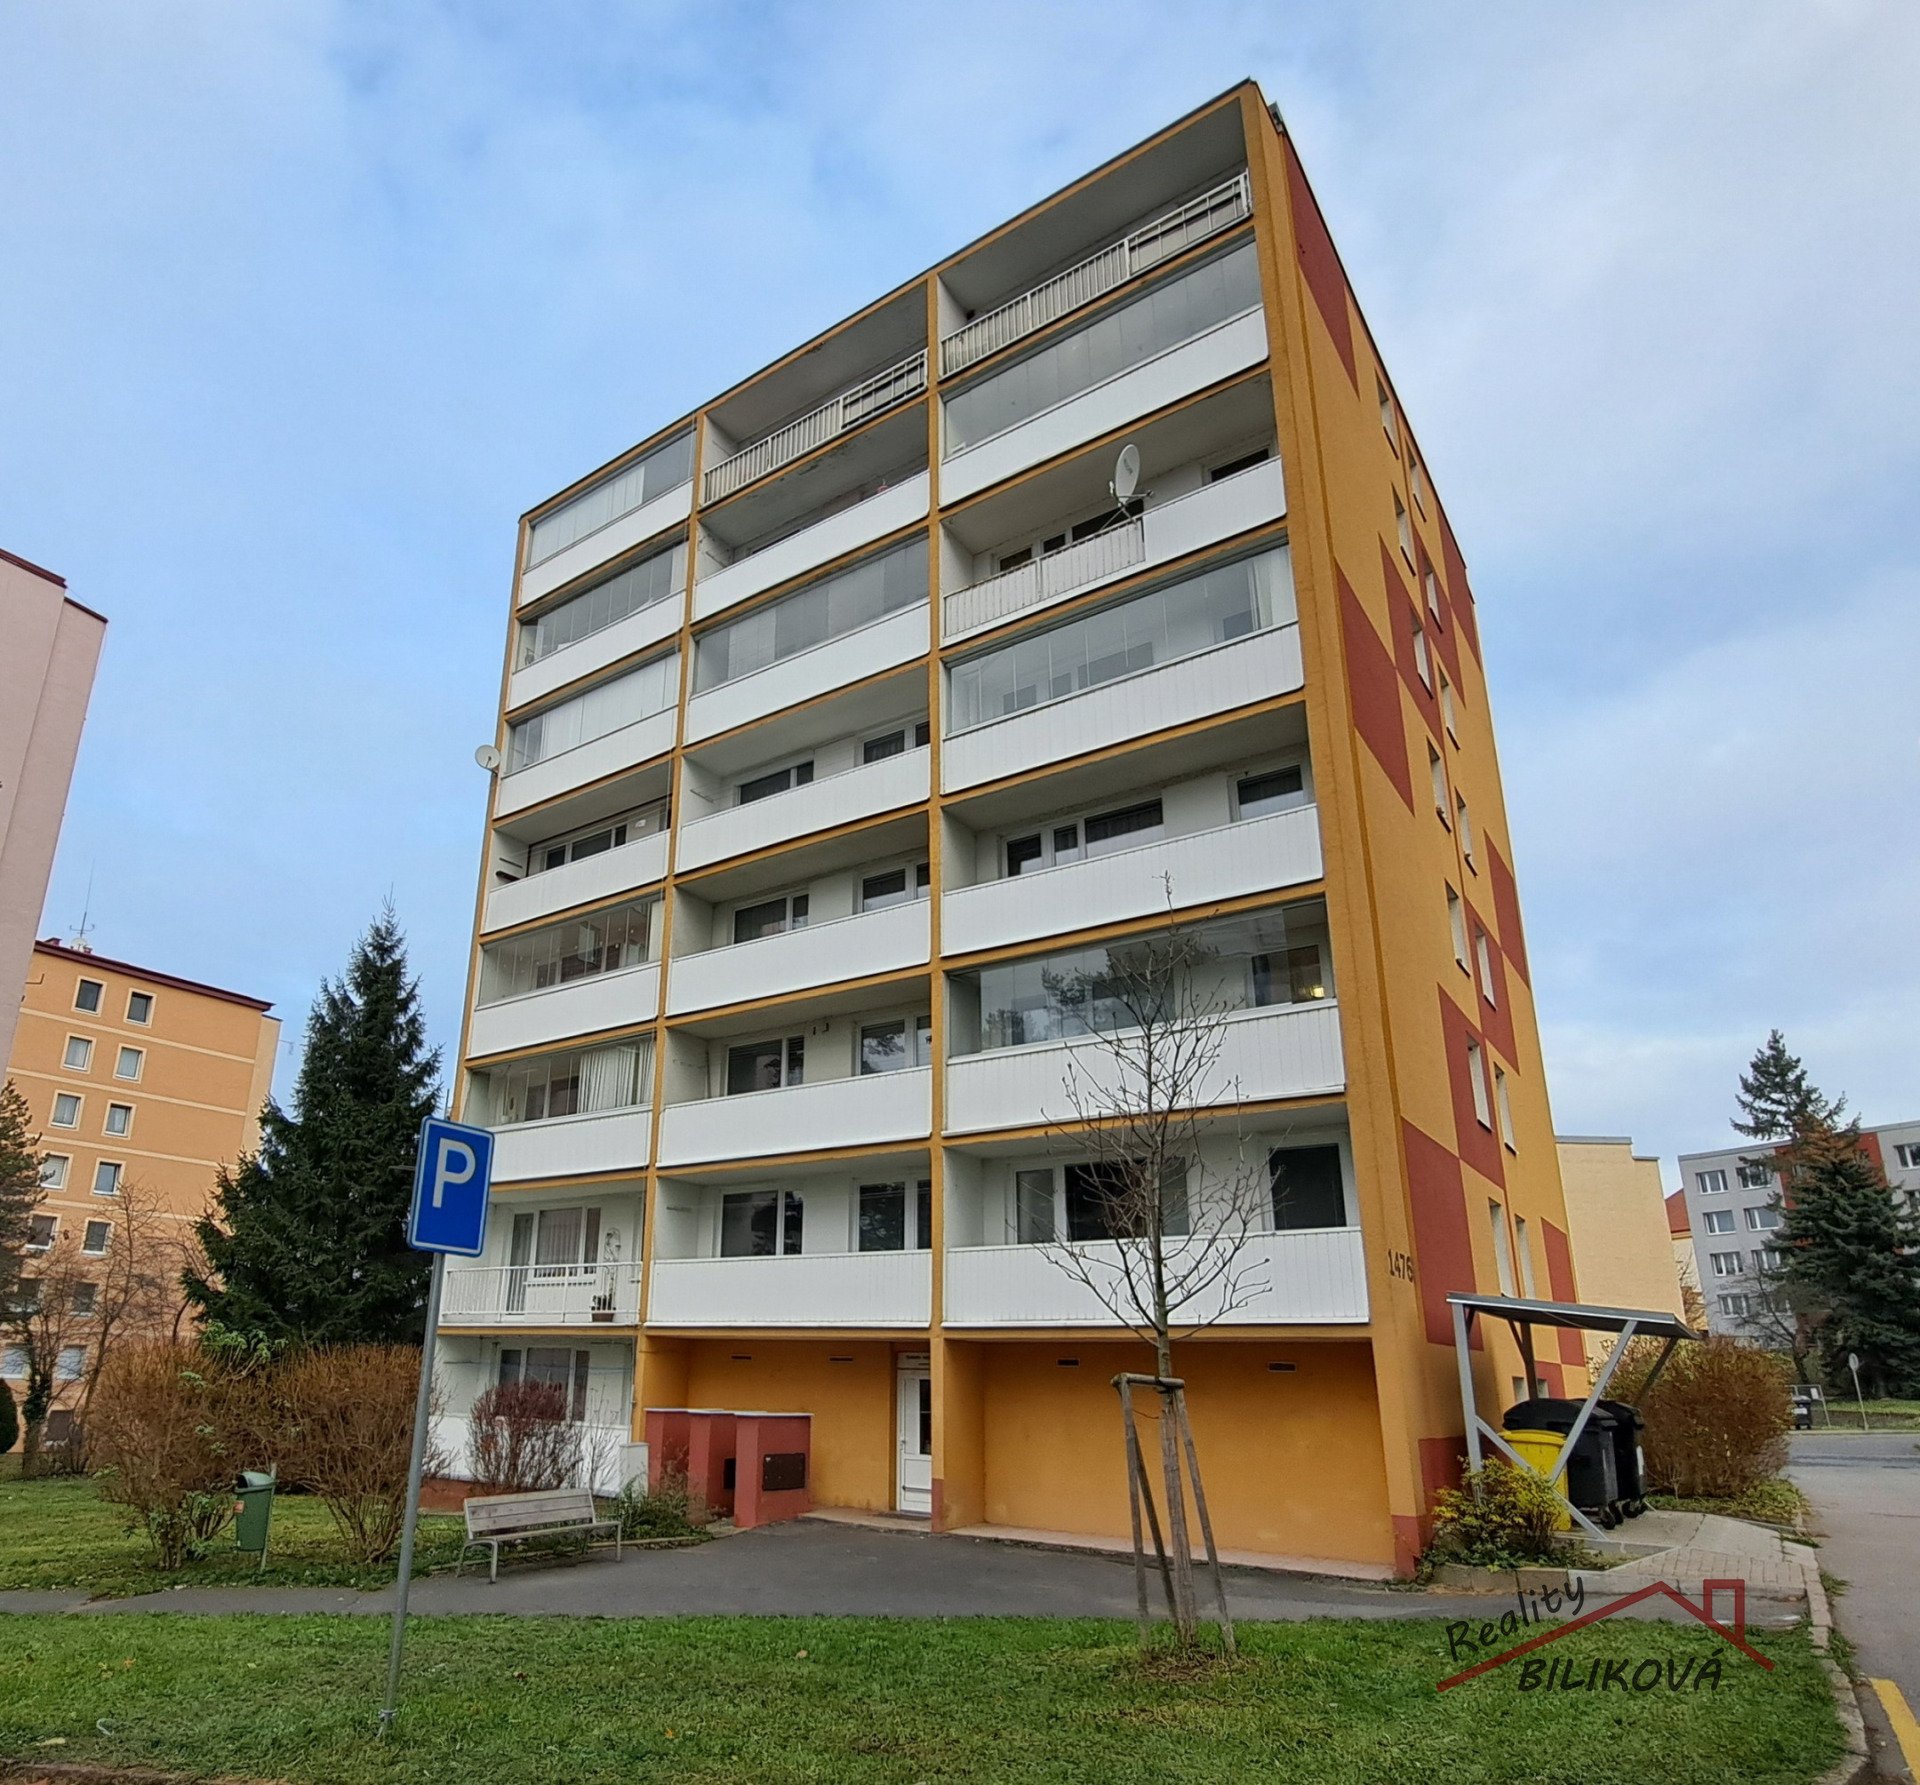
x: 1589, y: 1481
x: 1629, y: 1463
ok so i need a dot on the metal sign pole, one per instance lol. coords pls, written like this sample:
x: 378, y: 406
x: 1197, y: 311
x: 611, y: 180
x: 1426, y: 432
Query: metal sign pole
x: 422, y: 1410
x: 1853, y: 1364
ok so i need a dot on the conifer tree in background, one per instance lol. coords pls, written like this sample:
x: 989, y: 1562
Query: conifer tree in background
x: 307, y: 1239
x: 20, y: 1190
x: 1777, y: 1099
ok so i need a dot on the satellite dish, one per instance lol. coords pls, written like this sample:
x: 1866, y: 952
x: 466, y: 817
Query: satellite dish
x: 487, y: 757
x: 1126, y: 475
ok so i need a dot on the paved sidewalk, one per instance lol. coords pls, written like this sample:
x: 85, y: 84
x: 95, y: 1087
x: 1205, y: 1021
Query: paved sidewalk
x: 1698, y: 1547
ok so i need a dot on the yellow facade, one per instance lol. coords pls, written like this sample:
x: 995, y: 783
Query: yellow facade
x: 1618, y: 1215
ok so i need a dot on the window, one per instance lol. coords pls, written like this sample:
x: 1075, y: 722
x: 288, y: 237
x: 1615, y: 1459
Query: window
x: 71, y: 1364
x: 764, y: 787
x: 119, y: 1118
x: 1176, y: 310
x: 13, y: 1362
x: 1403, y: 527
x: 1477, y: 1074
x: 1457, y: 923
x: 97, y: 1237
x: 1907, y: 1154
x: 822, y: 611
x: 602, y: 942
x: 771, y: 917
x: 766, y: 1065
x: 579, y: 1082
x: 1503, y: 1108
x: 129, y: 1062
x: 53, y: 1171
x: 1502, y: 1247
x: 1306, y: 1188
x: 1386, y: 415
x: 66, y: 1110
x: 558, y: 1366
x: 1763, y: 1220
x: 84, y: 1296
x: 140, y: 1008
x: 1288, y: 976
x: 1736, y: 1305
x: 1229, y: 601
x: 1033, y: 1206
x: 79, y: 1054
x: 1753, y: 1177
x: 1447, y: 715
x: 1717, y: 1221
x: 87, y: 995
x: 1422, y: 657
x: 1233, y: 467
x: 1712, y: 1183
x: 1072, y: 840
x: 1525, y: 1251
x: 1437, y: 774
x: 891, y: 1047
x: 640, y: 585
x: 1769, y: 1258
x: 1098, y: 1199
x: 1275, y: 790
x: 894, y: 743
x: 665, y: 468
x: 1049, y: 543
x: 40, y: 1232
x: 1466, y: 830
x: 106, y: 1178
x: 1431, y: 584
x: 890, y: 1221
x: 575, y: 846
x: 894, y: 886
x: 595, y: 712
x: 1725, y: 1264
x: 761, y: 1223
x: 1484, y: 955
x: 1417, y: 480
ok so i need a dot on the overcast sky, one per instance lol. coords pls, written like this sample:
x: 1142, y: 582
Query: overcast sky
x: 305, y: 301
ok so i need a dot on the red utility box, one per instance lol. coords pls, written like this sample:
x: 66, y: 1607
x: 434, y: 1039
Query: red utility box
x: 754, y: 1467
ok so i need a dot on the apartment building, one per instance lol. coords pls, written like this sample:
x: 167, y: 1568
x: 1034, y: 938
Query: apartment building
x: 1679, y: 1229
x: 1733, y: 1210
x: 848, y: 721
x: 49, y: 647
x: 1617, y: 1222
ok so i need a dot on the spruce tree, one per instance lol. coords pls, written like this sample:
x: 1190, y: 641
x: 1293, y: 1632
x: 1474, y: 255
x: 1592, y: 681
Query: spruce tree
x: 307, y: 1242
x: 20, y: 1190
x: 1776, y: 1098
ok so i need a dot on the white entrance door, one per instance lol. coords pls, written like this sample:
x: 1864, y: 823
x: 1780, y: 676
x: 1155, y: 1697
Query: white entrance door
x: 913, y: 1420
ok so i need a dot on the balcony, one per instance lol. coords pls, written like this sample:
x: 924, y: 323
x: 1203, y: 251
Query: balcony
x: 840, y: 1112
x: 1199, y: 868
x: 1154, y: 243
x: 569, y: 1146
x: 1304, y: 1279
x: 1271, y: 1052
x: 832, y: 1289
x: 541, y: 1295
x: 669, y: 509
x: 615, y: 1000
x: 1189, y: 688
x: 585, y: 882
x: 820, y: 954
x: 1209, y: 515
x: 847, y: 531
x: 585, y: 763
x: 599, y: 650
x: 845, y: 798
x: 866, y: 651
x: 839, y: 415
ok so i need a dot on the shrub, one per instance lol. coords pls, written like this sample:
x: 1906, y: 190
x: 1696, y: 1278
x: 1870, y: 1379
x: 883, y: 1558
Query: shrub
x: 9, y: 1420
x: 670, y: 1510
x: 520, y: 1440
x: 1510, y: 1524
x: 1717, y: 1418
x: 158, y: 1426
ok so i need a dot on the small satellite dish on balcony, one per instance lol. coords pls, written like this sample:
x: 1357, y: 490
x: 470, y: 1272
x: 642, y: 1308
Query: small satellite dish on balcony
x: 1126, y: 475
x: 487, y: 757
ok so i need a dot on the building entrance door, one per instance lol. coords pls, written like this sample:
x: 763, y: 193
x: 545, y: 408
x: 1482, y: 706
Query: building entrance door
x: 913, y: 1420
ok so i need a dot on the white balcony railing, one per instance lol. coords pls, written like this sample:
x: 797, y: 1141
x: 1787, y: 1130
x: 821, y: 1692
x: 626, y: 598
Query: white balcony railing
x: 615, y: 1000
x: 567, y: 1146
x: 1148, y: 246
x: 832, y: 1289
x: 864, y: 792
x: 836, y: 1112
x: 1291, y: 1050
x: 541, y: 1295
x: 609, y: 1457
x: 642, y: 862
x: 848, y: 410
x: 1285, y: 1279
x: 1199, y: 868
x: 820, y: 954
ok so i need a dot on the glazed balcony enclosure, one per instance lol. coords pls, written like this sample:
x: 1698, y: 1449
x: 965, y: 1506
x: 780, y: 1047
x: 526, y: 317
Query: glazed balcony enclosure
x: 624, y: 613
x: 569, y: 1112
x: 610, y: 727
x: 646, y: 498
x: 585, y: 976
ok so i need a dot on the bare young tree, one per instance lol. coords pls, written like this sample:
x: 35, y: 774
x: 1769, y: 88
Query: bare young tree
x: 46, y: 1321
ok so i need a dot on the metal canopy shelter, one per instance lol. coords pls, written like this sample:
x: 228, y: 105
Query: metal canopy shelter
x: 1522, y: 1316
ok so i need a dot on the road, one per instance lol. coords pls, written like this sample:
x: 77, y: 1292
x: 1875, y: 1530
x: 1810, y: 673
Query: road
x: 1865, y: 1489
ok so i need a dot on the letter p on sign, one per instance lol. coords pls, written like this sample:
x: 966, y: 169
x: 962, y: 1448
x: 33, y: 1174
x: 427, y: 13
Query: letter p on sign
x: 450, y: 1181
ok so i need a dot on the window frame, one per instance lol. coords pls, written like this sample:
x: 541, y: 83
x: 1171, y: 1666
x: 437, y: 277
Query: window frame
x: 40, y: 1222
x: 1299, y: 763
x: 799, y: 770
x: 1437, y: 774
x: 793, y: 1063
x: 1477, y: 1073
x: 81, y: 987
x: 58, y: 1180
x: 1705, y: 1184
x: 792, y: 919
x: 1503, y: 1109
x: 1718, y: 1221
x: 143, y: 1022
x: 125, y: 1128
x: 1403, y: 527
x: 84, y: 1043
x: 1457, y: 924
x: 1483, y: 960
x: 139, y: 1065
x: 119, y: 1175
x: 1422, y: 655
x: 87, y: 1248
x: 916, y: 1036
x: 1054, y: 854
x: 1502, y: 1249
x: 916, y: 879
x: 79, y: 1103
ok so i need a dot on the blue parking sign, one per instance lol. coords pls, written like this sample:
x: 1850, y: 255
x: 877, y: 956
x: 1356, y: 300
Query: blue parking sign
x: 450, y: 1182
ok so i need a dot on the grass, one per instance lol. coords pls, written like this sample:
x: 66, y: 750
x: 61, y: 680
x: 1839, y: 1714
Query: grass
x: 1775, y: 1502
x: 1842, y: 1414
x: 862, y: 1701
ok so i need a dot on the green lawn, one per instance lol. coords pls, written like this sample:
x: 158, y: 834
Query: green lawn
x: 861, y: 1700
x: 1882, y: 1416
x: 1775, y: 1502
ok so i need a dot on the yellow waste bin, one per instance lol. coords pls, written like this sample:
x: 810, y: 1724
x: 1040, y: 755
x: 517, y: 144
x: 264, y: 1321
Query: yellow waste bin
x: 1540, y: 1451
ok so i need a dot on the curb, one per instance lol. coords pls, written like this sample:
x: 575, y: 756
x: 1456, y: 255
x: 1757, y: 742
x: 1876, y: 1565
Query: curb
x: 1857, y: 1762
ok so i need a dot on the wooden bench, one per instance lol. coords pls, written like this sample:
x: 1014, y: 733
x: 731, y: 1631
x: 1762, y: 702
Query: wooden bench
x: 514, y: 1518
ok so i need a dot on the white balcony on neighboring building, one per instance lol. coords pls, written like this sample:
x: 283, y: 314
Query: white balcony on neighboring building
x: 615, y: 1000
x: 668, y: 509
x: 1180, y: 372
x: 831, y: 1289
x: 839, y: 1112
x: 863, y: 523
x: 820, y: 954
x: 541, y: 1295
x: 624, y: 638
x: 864, y: 792
x: 1290, y: 1050
x: 1196, y: 687
x: 585, y: 763
x: 1285, y: 1279
x: 852, y: 657
x: 585, y: 882
x: 1215, y: 512
x: 571, y: 1146
x: 1202, y: 867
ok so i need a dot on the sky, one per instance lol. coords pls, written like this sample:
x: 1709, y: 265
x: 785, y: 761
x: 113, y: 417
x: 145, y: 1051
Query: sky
x: 306, y: 300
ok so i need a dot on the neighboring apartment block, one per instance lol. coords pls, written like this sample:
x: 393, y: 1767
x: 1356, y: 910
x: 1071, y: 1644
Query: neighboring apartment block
x: 49, y: 646
x: 853, y: 720
x: 1617, y: 1220
x: 1733, y: 1210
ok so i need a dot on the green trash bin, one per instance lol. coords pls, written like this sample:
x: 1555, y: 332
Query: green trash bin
x: 253, y: 1511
